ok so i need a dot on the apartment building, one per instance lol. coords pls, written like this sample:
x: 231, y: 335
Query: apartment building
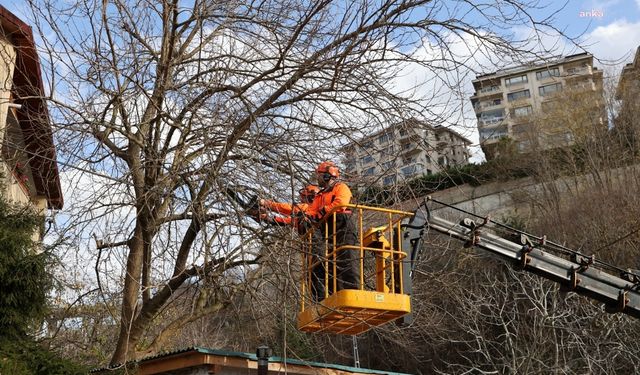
x: 630, y: 76
x: 626, y: 124
x: 628, y: 90
x: 27, y: 158
x: 507, y: 102
x: 405, y: 150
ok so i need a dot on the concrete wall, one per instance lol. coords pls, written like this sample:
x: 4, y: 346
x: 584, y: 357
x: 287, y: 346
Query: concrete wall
x: 524, y: 196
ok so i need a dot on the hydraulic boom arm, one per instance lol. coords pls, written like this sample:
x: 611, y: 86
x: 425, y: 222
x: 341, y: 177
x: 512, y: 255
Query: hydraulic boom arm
x: 578, y: 273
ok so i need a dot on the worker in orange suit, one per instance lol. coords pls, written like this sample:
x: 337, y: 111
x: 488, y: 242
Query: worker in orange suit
x: 294, y: 214
x: 333, y: 195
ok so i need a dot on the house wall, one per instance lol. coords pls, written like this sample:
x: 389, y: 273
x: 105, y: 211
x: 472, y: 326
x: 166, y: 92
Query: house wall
x: 11, y: 188
x: 7, y: 66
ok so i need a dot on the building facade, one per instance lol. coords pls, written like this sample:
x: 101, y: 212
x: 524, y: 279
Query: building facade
x: 628, y: 93
x: 28, y: 166
x: 403, y: 151
x: 630, y: 77
x: 507, y: 102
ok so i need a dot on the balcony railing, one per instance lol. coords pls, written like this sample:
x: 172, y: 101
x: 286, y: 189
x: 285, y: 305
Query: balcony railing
x: 484, y: 105
x: 576, y: 71
x: 490, y: 120
x: 490, y: 89
x: 492, y: 136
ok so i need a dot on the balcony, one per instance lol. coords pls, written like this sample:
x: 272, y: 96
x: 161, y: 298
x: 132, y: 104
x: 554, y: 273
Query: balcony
x: 412, y: 169
x: 577, y: 71
x: 582, y: 86
x: 490, y: 135
x: 488, y: 91
x: 491, y: 104
x: 488, y: 121
x: 409, y: 148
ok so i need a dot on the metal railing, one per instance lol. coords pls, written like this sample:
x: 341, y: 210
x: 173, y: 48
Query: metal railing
x: 378, y: 252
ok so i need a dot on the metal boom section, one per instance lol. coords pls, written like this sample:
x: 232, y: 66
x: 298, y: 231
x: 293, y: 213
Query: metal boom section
x: 579, y: 273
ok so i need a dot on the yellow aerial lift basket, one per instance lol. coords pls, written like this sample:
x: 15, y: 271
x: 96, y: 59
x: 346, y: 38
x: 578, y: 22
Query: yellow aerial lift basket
x: 380, y: 295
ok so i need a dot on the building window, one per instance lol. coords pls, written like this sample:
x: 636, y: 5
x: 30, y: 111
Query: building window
x: 522, y: 111
x: 410, y: 170
x: 515, y: 80
x: 350, y: 166
x: 384, y: 138
x: 518, y: 95
x: 389, y: 180
x: 495, y: 133
x: 489, y: 118
x: 388, y: 165
x: 549, y: 89
x: 553, y: 72
x: 369, y: 171
x: 577, y: 69
x: 366, y: 159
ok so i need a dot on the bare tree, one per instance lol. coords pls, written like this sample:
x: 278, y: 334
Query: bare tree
x: 167, y: 109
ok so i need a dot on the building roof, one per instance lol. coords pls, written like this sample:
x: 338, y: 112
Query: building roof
x: 33, y: 115
x: 558, y: 60
x: 191, y: 356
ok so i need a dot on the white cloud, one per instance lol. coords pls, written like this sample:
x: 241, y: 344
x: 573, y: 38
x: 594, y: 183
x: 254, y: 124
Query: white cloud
x: 614, y: 42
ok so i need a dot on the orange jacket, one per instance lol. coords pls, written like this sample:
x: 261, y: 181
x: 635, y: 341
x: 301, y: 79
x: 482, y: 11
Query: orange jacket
x: 288, y: 209
x: 325, y: 201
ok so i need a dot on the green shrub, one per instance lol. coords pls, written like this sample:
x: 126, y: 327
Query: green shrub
x: 24, y: 284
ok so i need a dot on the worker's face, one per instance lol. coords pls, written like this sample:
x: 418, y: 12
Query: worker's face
x: 321, y: 181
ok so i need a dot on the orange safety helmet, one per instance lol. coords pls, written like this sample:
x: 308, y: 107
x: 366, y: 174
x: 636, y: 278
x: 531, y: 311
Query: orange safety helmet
x: 308, y: 192
x: 329, y: 168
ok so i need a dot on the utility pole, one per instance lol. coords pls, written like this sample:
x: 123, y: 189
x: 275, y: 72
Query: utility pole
x: 263, y: 353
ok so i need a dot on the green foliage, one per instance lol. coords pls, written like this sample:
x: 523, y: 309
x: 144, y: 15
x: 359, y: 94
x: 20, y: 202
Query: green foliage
x: 24, y: 280
x: 20, y: 355
x: 24, y: 284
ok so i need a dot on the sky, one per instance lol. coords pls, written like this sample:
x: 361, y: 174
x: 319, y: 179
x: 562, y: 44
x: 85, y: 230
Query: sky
x: 608, y: 29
